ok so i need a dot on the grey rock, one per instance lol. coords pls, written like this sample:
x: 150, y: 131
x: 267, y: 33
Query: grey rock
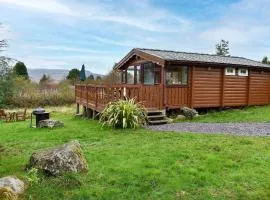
x: 49, y: 123
x: 11, y: 187
x: 59, y: 160
x: 189, y: 113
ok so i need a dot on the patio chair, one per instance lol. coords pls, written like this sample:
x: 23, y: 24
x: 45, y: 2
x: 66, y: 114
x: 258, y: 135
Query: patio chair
x: 2, y: 114
x: 10, y: 117
x: 21, y: 116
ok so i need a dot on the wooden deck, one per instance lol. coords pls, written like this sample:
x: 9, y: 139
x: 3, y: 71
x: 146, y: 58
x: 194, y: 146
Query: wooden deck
x: 96, y: 97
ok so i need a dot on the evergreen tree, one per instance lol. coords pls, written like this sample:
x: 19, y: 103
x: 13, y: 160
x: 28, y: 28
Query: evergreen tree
x: 265, y: 60
x: 21, y: 70
x: 222, y: 48
x: 44, y: 79
x: 82, y: 74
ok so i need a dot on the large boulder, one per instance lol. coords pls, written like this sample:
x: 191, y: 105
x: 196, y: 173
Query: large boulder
x: 11, y: 188
x: 49, y: 123
x: 60, y: 160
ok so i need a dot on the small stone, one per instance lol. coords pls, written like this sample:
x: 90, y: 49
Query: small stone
x: 49, y: 123
x: 180, y: 117
x: 60, y: 160
x: 11, y: 188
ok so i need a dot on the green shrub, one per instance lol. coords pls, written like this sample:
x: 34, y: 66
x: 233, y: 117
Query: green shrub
x: 123, y: 114
x: 29, y: 94
x: 32, y: 176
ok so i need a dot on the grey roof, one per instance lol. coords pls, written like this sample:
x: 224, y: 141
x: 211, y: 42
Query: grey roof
x: 202, y: 58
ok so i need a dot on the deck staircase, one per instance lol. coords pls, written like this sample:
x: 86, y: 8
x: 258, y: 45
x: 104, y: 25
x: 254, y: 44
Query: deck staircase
x: 156, y: 117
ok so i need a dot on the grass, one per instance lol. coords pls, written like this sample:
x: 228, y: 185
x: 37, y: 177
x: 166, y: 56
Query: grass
x: 248, y: 114
x: 141, y: 164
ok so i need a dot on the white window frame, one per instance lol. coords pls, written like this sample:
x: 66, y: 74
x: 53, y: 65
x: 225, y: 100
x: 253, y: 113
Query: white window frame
x: 242, y: 74
x: 230, y: 73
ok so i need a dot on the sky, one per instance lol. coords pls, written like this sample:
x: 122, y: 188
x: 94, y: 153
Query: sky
x: 66, y: 34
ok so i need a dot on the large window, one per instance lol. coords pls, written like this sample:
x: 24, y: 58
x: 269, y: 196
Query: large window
x: 148, y: 77
x: 138, y: 74
x: 151, y: 74
x: 177, y: 75
x: 130, y: 75
x: 123, y: 77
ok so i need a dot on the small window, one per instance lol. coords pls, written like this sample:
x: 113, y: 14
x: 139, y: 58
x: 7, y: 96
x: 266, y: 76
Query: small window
x: 230, y: 71
x: 242, y: 72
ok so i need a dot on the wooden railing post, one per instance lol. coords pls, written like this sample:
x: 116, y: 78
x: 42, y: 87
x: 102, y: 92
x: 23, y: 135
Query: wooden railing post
x: 96, y: 103
x: 86, y: 95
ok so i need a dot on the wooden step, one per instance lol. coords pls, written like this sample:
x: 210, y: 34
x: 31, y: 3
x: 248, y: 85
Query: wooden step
x: 156, y: 116
x: 154, y: 113
x: 157, y: 122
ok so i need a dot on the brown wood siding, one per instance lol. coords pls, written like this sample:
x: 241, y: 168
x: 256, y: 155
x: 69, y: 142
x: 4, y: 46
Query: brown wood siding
x: 177, y: 96
x: 206, y: 87
x: 152, y: 96
x: 235, y: 90
x: 259, y: 87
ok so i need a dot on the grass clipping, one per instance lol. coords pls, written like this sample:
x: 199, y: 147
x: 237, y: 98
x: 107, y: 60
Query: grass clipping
x: 6, y: 193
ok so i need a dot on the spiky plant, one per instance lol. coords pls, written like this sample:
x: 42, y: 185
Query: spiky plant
x: 123, y: 114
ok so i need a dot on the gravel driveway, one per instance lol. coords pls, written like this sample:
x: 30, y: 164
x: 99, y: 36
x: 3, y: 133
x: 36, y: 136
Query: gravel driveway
x: 248, y: 129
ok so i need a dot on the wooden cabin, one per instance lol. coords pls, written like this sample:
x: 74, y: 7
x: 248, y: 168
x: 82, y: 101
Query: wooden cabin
x: 165, y: 80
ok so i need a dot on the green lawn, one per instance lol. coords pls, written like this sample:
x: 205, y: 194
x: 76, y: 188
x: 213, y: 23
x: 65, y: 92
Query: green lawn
x: 142, y: 164
x: 248, y: 114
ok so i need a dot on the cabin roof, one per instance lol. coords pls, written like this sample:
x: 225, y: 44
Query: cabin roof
x: 167, y: 55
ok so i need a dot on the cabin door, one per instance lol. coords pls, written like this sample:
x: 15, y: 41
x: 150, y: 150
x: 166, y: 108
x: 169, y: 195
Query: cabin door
x: 152, y: 90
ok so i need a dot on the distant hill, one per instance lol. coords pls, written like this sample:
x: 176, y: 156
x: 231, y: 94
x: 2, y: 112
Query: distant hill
x: 56, y: 74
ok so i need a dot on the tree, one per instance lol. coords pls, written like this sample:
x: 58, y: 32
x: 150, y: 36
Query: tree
x: 6, y: 84
x: 3, y: 43
x: 265, y: 60
x: 113, y: 77
x: 44, y: 80
x: 91, y: 77
x: 21, y: 70
x: 73, y: 75
x: 98, y: 78
x: 222, y: 48
x: 82, y: 74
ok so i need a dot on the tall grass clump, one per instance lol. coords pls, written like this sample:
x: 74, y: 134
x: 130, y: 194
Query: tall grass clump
x: 123, y: 114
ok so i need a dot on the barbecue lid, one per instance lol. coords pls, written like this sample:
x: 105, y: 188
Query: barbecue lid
x: 39, y: 110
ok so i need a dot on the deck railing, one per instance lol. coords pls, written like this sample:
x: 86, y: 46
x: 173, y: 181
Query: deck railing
x: 97, y: 97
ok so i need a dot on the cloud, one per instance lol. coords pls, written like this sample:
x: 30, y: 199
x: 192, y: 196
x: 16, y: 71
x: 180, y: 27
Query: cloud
x: 68, y: 33
x: 138, y: 16
x: 245, y: 24
x: 49, y: 6
x: 62, y: 48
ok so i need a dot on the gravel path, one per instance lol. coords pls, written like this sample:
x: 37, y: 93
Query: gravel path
x: 248, y: 129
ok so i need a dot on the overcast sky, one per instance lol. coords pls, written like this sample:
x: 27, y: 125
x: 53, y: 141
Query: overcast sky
x: 66, y: 34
